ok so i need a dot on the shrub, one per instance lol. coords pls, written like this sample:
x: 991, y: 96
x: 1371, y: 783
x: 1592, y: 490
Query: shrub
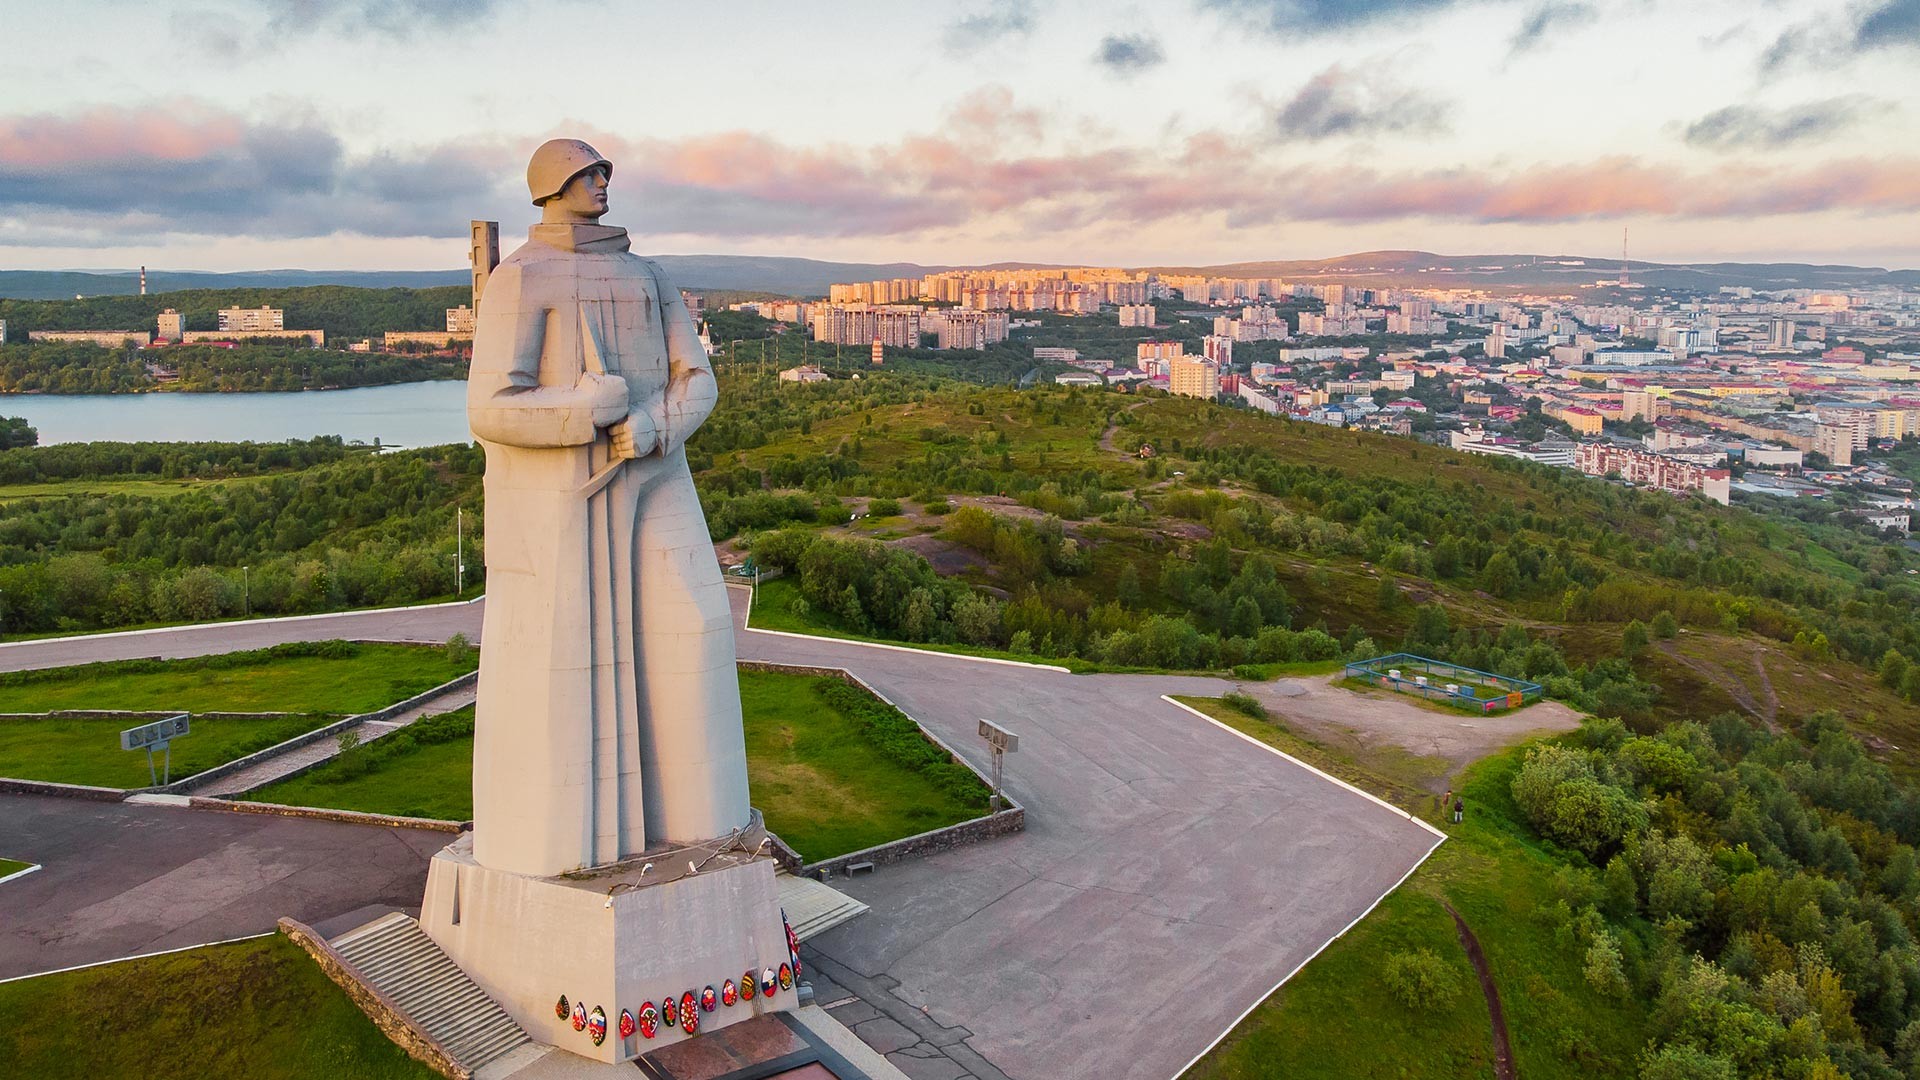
x: 1665, y: 626
x: 883, y: 508
x: 459, y: 649
x: 1558, y: 792
x: 1246, y: 703
x: 1603, y: 970
x: 896, y: 736
x: 1420, y: 979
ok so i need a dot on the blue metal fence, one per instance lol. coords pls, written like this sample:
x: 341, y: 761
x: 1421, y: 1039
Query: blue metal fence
x: 1455, y: 684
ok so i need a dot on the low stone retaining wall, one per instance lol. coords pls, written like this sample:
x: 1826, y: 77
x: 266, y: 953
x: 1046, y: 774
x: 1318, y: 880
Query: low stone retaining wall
x: 380, y: 1008
x: 1011, y: 819
x: 328, y: 731
x: 13, y: 786
x: 324, y: 813
x: 10, y: 786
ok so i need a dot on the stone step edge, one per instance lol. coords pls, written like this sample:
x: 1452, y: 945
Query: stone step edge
x: 385, y: 1013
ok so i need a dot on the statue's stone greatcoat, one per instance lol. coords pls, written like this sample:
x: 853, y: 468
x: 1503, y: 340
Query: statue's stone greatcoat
x: 609, y: 713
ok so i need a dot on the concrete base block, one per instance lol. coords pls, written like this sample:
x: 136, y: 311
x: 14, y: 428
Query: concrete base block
x: 613, y: 937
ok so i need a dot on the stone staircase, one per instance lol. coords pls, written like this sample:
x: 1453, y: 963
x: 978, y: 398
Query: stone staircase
x: 815, y: 907
x: 398, y: 958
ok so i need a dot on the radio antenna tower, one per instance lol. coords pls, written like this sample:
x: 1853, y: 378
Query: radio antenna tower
x: 1623, y: 257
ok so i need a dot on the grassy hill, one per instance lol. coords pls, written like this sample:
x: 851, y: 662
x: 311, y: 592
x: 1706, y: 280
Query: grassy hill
x: 1254, y: 534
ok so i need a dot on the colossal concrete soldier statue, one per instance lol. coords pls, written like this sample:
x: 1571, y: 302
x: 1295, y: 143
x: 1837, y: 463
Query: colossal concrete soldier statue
x: 609, y: 715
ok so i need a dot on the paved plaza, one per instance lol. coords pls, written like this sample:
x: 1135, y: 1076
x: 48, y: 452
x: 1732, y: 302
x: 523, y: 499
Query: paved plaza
x: 1170, y: 868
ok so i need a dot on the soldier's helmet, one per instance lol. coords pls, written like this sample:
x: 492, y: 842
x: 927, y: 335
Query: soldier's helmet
x: 556, y: 163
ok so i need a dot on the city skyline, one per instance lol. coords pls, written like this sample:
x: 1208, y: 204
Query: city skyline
x: 346, y: 135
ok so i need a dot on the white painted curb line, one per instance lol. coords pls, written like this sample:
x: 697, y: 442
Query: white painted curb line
x: 139, y: 956
x: 1439, y: 838
x: 1322, y: 774
x: 1257, y: 1002
x: 19, y: 874
x: 240, y: 622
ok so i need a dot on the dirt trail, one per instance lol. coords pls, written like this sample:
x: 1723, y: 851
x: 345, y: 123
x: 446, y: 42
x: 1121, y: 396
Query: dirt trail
x: 1766, y: 684
x: 1766, y: 711
x: 1502, y: 1045
x: 1106, y: 437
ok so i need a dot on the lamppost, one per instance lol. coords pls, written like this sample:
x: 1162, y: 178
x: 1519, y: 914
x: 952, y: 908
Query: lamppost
x: 246, y: 588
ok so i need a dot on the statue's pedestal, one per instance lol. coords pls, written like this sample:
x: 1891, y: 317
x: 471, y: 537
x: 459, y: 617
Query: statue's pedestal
x: 613, y: 937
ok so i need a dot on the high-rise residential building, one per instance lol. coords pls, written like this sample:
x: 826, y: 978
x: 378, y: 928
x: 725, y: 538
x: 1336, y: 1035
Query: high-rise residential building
x: 1639, y: 405
x: 861, y: 324
x: 1192, y: 376
x: 1217, y: 348
x: 1835, y: 441
x: 3, y: 331
x: 1150, y: 352
x: 1780, y: 334
x: 1137, y: 315
x: 963, y: 328
x: 173, y: 326
x: 1496, y: 343
x: 260, y: 318
x: 460, y: 320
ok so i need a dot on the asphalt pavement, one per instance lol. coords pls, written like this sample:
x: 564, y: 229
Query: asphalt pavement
x: 1170, y: 875
x: 121, y: 879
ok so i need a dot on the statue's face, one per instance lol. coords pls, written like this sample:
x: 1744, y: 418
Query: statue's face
x: 585, y: 196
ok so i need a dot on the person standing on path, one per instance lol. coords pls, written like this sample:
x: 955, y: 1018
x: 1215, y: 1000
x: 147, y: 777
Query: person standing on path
x: 1459, y: 810
x: 1446, y: 801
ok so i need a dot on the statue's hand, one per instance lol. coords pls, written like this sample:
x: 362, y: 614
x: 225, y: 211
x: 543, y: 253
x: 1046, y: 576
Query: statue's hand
x: 634, y: 436
x: 607, y: 396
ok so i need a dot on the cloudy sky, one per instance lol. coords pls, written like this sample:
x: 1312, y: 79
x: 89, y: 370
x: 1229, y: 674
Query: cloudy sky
x: 363, y: 134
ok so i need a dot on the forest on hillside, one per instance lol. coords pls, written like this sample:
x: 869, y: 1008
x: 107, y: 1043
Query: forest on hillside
x: 345, y: 312
x: 81, y: 368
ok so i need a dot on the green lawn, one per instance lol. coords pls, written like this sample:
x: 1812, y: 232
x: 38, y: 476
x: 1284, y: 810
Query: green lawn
x: 12, y: 866
x: 423, y: 770
x: 824, y: 785
x: 88, y: 751
x: 252, y: 1010
x: 363, y: 678
x: 315, y: 683
x: 1336, y: 1019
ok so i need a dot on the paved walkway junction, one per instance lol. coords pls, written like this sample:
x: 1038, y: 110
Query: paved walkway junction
x: 1171, y: 874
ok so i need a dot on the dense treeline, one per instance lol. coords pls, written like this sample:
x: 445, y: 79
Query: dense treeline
x: 64, y: 367
x: 352, y: 531
x: 1555, y: 545
x: 15, y: 433
x: 257, y: 367
x: 1762, y: 889
x: 343, y: 311
x: 79, y: 368
x: 164, y: 460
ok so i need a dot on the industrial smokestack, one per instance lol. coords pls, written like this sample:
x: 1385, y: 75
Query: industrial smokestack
x: 143, y: 281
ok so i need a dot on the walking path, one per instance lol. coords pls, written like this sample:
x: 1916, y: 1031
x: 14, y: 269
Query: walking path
x: 1170, y: 868
x: 281, y: 766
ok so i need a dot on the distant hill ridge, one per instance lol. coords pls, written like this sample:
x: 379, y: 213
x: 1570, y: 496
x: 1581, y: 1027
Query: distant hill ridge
x: 811, y: 277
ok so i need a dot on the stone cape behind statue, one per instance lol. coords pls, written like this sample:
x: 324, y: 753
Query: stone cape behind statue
x: 614, y: 853
x: 610, y: 720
